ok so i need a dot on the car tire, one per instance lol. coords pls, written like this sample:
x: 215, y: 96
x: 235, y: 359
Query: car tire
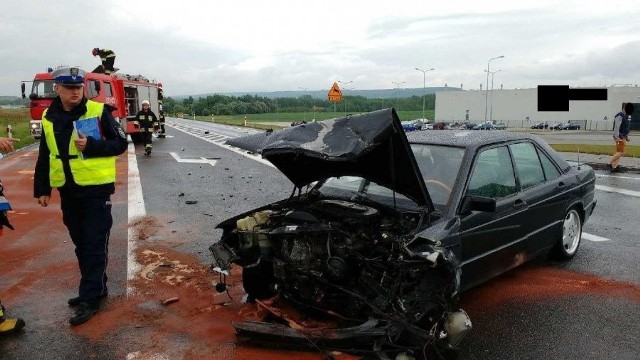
x: 570, y: 235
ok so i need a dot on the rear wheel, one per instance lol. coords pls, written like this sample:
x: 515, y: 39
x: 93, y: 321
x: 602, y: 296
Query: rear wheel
x: 569, y: 240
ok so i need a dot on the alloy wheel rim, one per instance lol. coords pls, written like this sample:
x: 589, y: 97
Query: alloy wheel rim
x: 571, y: 232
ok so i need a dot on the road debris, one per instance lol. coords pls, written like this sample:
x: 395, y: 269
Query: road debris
x: 170, y: 301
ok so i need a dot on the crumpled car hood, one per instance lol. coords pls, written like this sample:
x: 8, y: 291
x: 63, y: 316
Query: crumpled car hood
x: 371, y: 145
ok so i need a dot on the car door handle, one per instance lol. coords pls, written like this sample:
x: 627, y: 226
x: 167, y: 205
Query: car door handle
x: 519, y: 203
x: 561, y: 184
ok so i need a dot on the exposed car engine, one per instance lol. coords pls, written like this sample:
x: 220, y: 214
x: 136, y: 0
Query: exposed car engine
x: 349, y: 260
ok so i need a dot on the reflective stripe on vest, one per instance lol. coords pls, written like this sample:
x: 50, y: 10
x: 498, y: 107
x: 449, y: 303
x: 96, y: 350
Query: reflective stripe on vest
x: 90, y: 171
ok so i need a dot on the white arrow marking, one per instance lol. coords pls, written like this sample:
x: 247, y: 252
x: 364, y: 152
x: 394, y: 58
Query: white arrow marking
x: 592, y: 237
x: 193, y: 161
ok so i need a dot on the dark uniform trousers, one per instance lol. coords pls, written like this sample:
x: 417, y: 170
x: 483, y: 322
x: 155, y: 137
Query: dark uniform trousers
x: 89, y: 222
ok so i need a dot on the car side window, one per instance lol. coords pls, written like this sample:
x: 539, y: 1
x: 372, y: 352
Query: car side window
x: 528, y: 164
x: 550, y: 171
x: 493, y: 175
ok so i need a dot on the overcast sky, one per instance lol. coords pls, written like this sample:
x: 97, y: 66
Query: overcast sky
x: 196, y: 47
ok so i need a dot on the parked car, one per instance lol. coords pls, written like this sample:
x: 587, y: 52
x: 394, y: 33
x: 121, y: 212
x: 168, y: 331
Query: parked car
x: 412, y: 125
x: 428, y: 126
x: 383, y: 230
x: 439, y: 126
x: 570, y: 126
x: 484, y: 126
x: 540, y: 125
x: 556, y: 126
x: 500, y: 126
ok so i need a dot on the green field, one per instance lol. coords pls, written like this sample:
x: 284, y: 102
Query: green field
x: 288, y: 118
x: 19, y: 121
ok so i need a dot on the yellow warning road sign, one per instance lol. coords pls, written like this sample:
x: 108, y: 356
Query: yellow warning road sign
x: 335, y: 94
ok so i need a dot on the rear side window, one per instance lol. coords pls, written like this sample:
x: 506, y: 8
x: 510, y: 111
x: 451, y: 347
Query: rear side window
x: 550, y: 171
x: 528, y: 164
x: 493, y: 175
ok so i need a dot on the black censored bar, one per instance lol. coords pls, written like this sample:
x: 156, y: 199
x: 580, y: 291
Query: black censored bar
x: 557, y: 97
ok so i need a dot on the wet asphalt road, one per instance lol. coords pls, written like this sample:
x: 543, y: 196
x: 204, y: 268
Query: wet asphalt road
x: 591, y: 311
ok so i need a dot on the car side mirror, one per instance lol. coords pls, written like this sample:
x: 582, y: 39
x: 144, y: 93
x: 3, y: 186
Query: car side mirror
x: 22, y: 87
x: 478, y: 203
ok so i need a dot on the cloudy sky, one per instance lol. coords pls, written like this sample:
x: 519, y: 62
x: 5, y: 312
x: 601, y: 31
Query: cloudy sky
x: 196, y: 47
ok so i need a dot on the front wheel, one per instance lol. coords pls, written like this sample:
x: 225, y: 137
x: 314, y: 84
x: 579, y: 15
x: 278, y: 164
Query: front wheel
x: 569, y: 240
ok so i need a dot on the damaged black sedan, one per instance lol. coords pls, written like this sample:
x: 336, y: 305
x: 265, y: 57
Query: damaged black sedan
x: 382, y: 232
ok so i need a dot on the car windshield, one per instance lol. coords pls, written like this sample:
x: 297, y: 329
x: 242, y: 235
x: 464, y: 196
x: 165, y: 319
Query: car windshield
x: 43, y: 89
x: 439, y: 166
x: 356, y: 185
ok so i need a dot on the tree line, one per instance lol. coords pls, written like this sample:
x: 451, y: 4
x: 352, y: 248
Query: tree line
x: 253, y: 104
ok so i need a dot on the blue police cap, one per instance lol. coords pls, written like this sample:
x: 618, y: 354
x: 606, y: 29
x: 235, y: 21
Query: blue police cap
x: 68, y: 76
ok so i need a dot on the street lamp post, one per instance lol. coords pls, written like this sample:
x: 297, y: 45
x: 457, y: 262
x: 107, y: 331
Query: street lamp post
x: 344, y: 87
x: 424, y: 89
x: 491, y: 101
x: 486, y: 96
x: 398, y: 83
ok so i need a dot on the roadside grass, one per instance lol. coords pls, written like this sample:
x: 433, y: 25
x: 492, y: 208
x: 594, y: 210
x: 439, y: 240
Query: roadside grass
x: 632, y: 150
x: 19, y: 121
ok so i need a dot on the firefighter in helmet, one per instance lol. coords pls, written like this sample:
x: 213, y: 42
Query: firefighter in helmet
x: 108, y: 57
x: 148, y: 123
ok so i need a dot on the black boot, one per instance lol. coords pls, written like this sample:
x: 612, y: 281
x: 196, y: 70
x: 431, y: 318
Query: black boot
x: 84, y: 312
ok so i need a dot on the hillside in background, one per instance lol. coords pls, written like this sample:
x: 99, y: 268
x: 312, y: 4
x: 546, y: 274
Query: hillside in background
x: 322, y: 94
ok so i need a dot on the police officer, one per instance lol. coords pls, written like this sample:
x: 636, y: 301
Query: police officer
x: 148, y: 123
x: 107, y: 57
x: 83, y: 168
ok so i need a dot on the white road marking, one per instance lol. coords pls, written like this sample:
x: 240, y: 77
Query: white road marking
x: 242, y: 152
x: 619, y: 191
x: 136, y: 210
x: 193, y: 161
x: 618, y: 176
x: 592, y: 237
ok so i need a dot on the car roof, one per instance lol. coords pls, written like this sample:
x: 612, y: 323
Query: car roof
x: 472, y: 140
x: 467, y: 138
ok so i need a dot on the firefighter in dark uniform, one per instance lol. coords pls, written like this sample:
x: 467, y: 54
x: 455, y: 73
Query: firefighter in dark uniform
x: 108, y: 57
x: 148, y: 123
x: 83, y: 168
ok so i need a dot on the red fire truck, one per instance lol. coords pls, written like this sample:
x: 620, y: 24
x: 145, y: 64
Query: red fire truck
x: 122, y: 91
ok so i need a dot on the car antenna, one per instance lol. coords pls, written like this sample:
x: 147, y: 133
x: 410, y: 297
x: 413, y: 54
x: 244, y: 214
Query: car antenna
x: 579, y: 158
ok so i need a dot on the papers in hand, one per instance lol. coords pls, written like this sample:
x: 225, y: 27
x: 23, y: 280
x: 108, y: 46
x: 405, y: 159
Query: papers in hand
x: 88, y: 127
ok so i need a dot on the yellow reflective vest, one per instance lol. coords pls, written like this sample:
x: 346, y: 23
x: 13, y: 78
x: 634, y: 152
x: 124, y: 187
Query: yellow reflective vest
x: 89, y: 171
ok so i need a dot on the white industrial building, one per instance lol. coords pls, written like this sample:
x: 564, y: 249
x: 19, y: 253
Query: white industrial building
x: 519, y: 108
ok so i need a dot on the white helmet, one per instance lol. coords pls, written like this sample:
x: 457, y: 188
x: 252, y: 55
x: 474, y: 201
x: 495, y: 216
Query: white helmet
x: 145, y: 102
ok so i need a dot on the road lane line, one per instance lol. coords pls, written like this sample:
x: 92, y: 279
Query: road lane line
x: 592, y: 237
x: 618, y: 176
x: 135, y: 211
x: 619, y: 191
